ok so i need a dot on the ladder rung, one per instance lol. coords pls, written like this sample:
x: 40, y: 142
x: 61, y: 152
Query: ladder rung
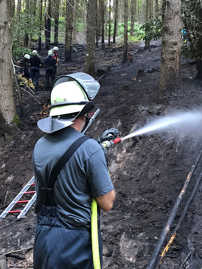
x: 22, y: 202
x: 29, y: 192
x: 27, y: 207
x: 14, y: 211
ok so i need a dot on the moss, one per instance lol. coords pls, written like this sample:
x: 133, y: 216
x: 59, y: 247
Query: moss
x: 16, y: 120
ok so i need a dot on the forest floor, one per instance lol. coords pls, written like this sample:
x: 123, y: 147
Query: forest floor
x: 148, y: 174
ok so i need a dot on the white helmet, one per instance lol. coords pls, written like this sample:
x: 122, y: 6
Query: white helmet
x: 50, y: 52
x: 34, y: 52
x: 71, y: 96
x: 27, y: 56
x: 55, y: 49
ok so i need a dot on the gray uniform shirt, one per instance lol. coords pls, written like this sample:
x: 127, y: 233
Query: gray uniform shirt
x: 84, y: 176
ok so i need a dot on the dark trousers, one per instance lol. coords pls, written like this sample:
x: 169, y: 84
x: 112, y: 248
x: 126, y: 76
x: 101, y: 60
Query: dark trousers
x: 35, y: 74
x: 50, y: 77
x: 59, y: 247
x: 26, y: 73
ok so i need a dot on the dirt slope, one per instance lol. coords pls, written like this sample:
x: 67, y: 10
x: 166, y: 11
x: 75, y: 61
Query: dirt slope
x: 148, y: 174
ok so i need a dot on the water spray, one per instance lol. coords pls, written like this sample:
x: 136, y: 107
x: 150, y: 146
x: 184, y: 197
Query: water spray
x: 183, y: 123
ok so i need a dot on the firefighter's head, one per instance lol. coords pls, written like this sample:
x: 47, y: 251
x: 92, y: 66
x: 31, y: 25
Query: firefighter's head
x: 72, y: 97
x: 27, y: 56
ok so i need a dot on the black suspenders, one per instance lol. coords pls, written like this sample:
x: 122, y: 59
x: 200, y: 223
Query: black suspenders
x: 45, y: 195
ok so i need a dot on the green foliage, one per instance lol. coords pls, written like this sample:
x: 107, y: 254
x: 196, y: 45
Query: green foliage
x: 25, y: 24
x: 191, y: 15
x: 152, y: 29
x: 19, y: 51
x: 138, y: 32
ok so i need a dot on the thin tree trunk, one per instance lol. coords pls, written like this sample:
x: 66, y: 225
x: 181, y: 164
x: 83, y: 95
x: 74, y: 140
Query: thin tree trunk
x: 27, y: 11
x: 151, y: 9
x: 91, y: 31
x: 97, y: 23
x: 156, y: 8
x: 148, y: 17
x: 171, y: 44
x: 56, y: 19
x: 48, y: 25
x: 125, y: 50
x: 102, y: 12
x: 40, y: 24
x: 33, y: 6
x: 133, y: 14
x: 115, y: 20
x: 109, y: 22
x: 69, y: 29
x: 7, y: 105
x: 19, y: 7
x: 12, y: 8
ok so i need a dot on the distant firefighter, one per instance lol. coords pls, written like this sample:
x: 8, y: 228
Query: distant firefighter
x: 25, y: 65
x: 50, y: 67
x: 35, y: 63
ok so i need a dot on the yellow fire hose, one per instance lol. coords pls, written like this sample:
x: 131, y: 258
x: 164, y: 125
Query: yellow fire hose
x: 94, y: 235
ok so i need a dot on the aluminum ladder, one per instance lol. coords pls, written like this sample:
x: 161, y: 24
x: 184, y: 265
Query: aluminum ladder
x: 26, y: 190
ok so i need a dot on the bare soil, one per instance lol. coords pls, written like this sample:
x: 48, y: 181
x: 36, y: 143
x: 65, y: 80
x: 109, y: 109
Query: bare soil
x: 148, y: 174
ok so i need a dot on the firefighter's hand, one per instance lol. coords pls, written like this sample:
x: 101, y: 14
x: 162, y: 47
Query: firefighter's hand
x: 108, y: 135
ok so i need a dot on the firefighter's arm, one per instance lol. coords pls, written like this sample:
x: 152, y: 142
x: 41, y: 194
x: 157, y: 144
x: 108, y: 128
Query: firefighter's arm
x: 106, y: 201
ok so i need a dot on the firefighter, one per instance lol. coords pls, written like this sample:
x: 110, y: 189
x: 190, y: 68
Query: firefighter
x: 25, y: 63
x: 50, y: 66
x: 55, y: 54
x: 70, y: 171
x: 35, y: 64
x: 56, y: 57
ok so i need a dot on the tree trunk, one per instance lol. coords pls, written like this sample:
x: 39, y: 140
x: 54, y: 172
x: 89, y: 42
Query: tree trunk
x: 27, y: 11
x: 19, y: 7
x: 102, y: 12
x: 148, y: 17
x: 48, y: 25
x: 171, y: 44
x: 7, y: 105
x: 151, y: 9
x: 115, y: 20
x: 69, y: 29
x: 56, y: 19
x: 40, y: 23
x: 133, y: 14
x: 12, y: 8
x: 156, y: 8
x: 33, y: 7
x: 125, y: 49
x: 91, y: 31
x: 109, y: 22
x: 97, y: 23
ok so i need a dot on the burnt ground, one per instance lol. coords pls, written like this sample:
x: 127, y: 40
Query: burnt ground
x: 148, y: 174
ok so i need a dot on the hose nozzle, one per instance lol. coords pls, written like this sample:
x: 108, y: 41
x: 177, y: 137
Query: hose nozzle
x: 108, y: 144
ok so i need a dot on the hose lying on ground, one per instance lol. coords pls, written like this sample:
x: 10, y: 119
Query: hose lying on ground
x: 155, y: 257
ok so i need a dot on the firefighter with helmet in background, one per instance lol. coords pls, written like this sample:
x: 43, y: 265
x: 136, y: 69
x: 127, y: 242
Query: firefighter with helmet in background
x: 70, y: 171
x: 25, y: 63
x: 56, y: 57
x: 35, y: 64
x: 50, y: 66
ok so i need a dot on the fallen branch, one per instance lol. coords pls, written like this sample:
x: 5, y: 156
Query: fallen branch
x: 36, y: 99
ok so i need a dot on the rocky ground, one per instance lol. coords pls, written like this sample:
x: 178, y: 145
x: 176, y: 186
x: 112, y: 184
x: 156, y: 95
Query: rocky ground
x: 148, y: 174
